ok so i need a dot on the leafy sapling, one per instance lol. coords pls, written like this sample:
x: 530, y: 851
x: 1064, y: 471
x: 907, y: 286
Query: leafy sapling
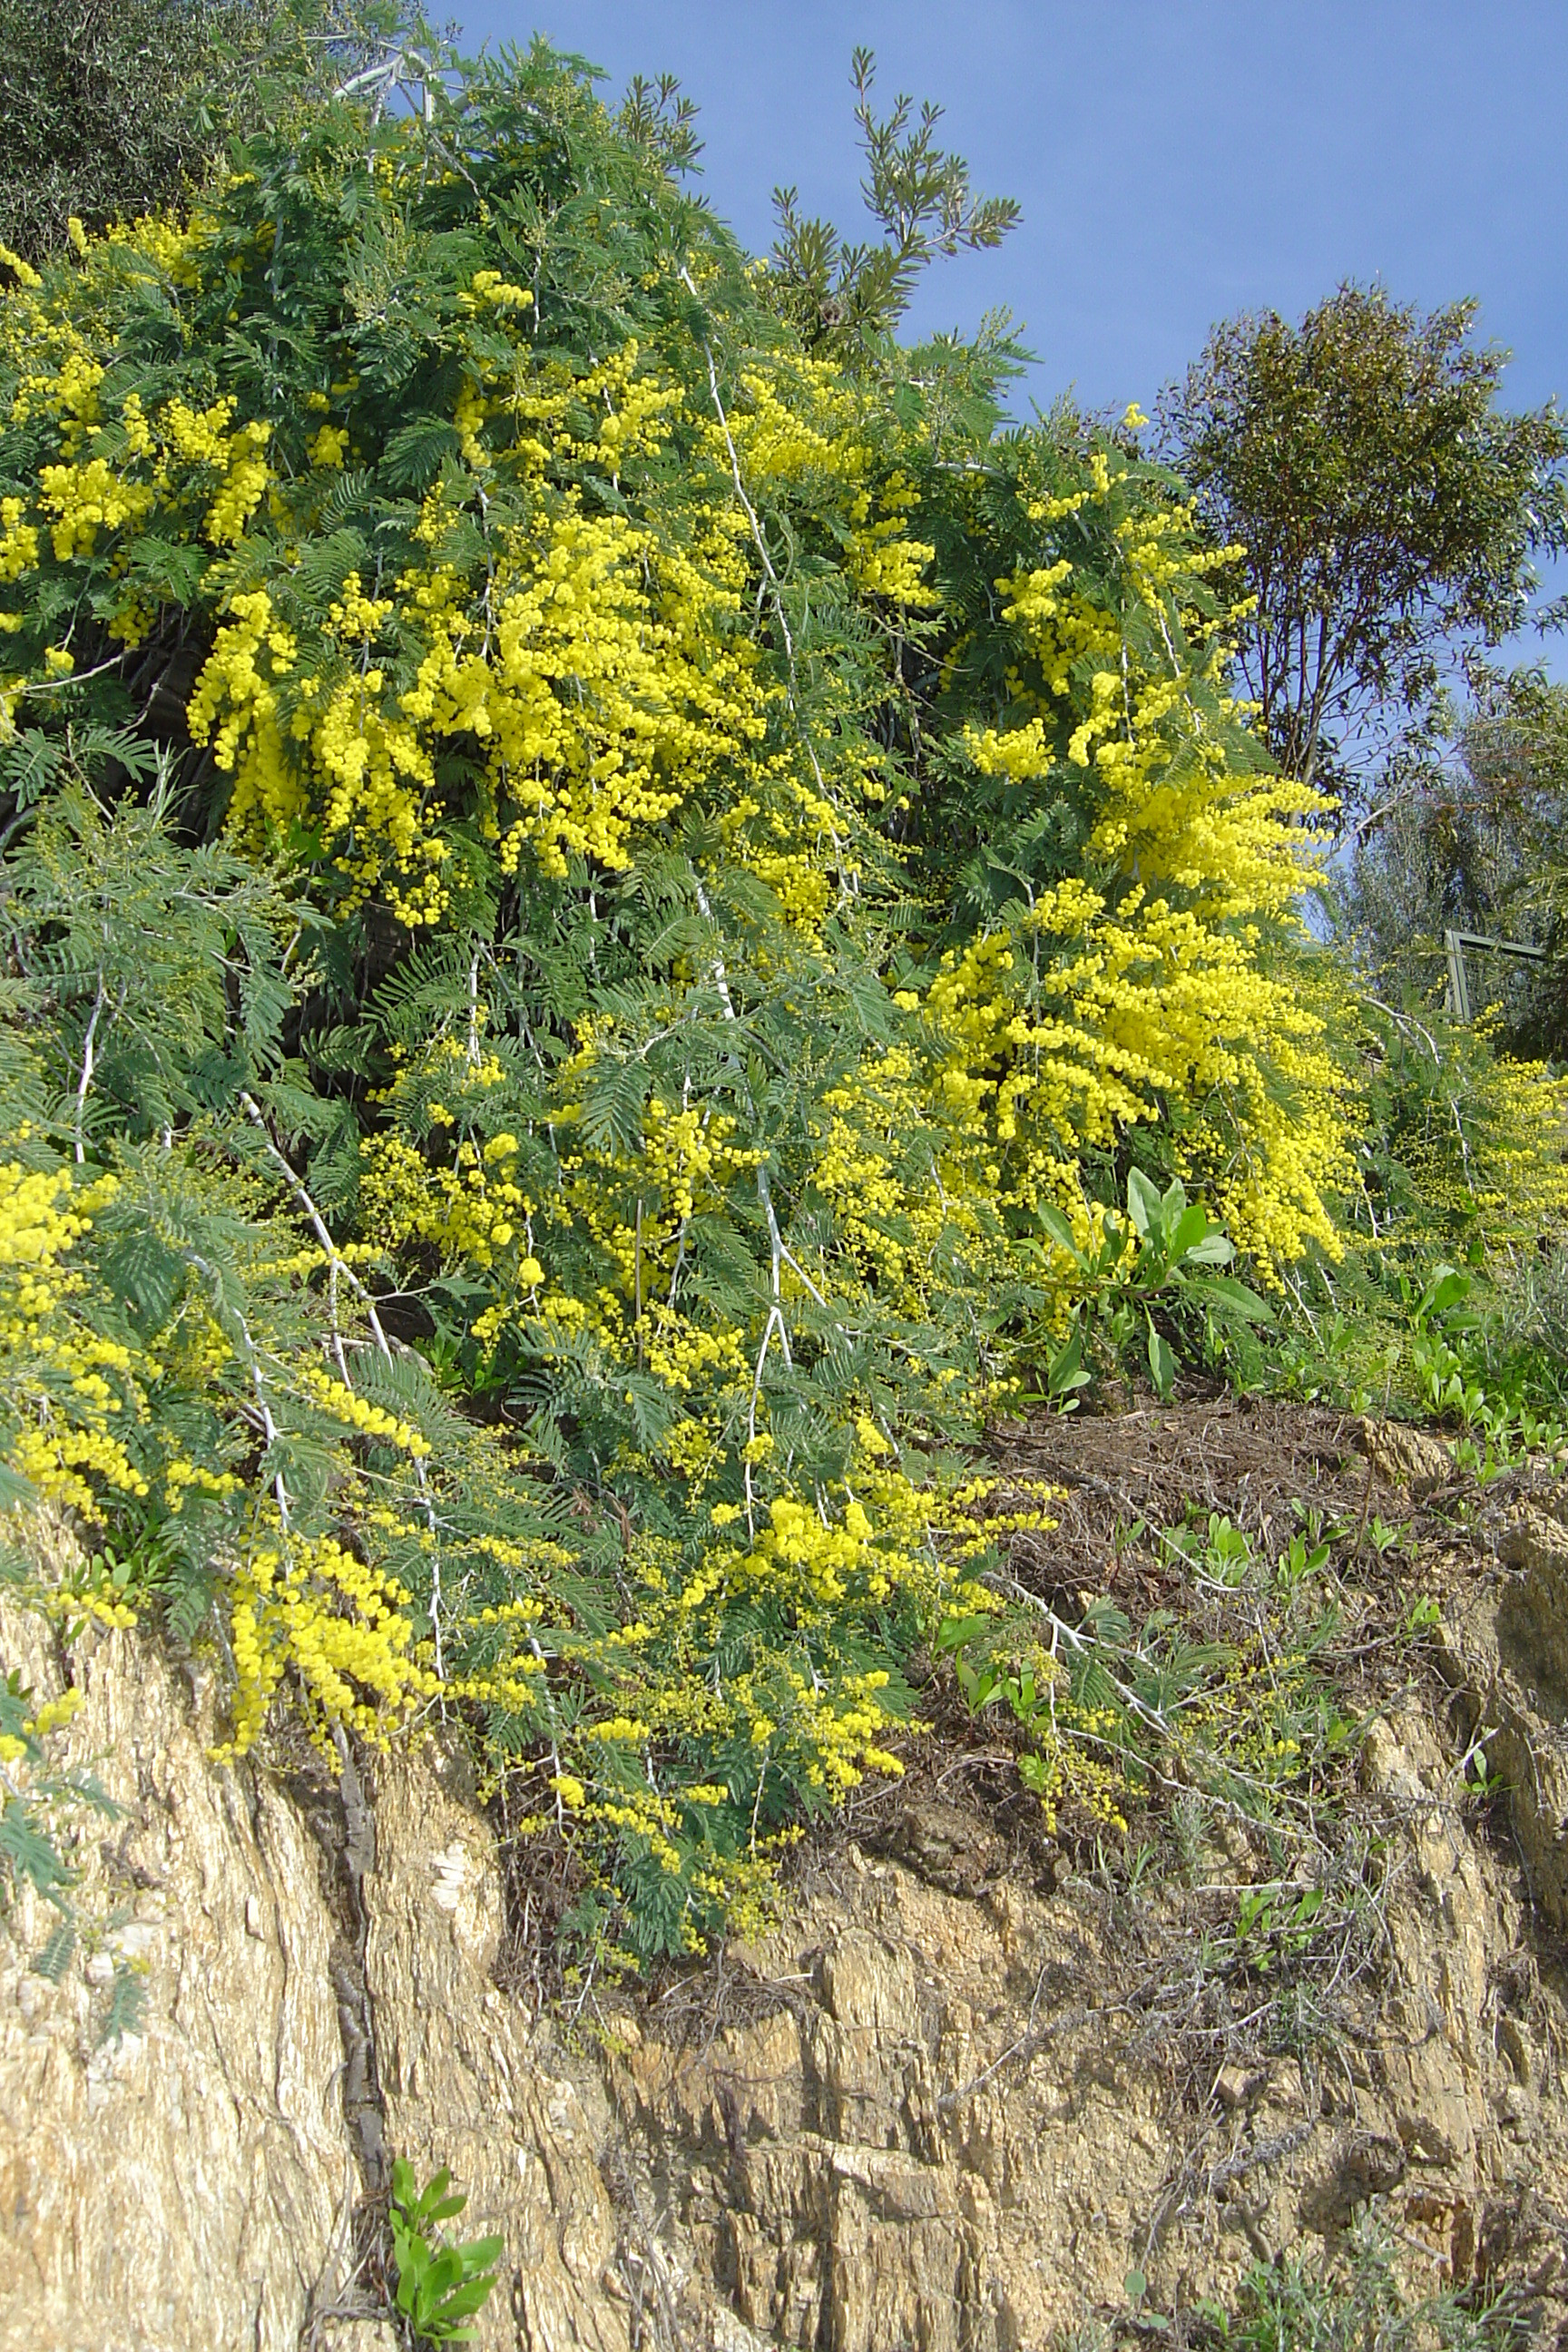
x: 439, y: 2286
x: 1268, y: 1925
x: 1163, y: 1253
x: 1300, y: 1561
x: 843, y: 296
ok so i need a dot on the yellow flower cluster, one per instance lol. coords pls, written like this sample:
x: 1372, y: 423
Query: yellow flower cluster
x: 469, y: 1210
x: 302, y: 1604
x: 305, y: 1603
x: 1511, y: 1175
x: 86, y: 495
x: 598, y: 707
x: 565, y: 674
x: 1100, y: 1007
x: 600, y: 670
x: 805, y: 423
x: 1483, y: 1139
x: 52, y: 1364
x: 876, y: 1537
x: 53, y: 1716
x: 370, y: 1420
x: 86, y: 499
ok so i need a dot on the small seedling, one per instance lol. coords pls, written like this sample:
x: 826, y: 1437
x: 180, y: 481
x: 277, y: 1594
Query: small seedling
x: 1135, y: 2286
x: 1138, y: 1866
x: 1227, y: 1552
x: 439, y: 2286
x: 1265, y: 1928
x: 1300, y: 1560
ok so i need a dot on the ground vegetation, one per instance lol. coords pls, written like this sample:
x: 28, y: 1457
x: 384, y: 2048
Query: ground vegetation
x: 628, y: 915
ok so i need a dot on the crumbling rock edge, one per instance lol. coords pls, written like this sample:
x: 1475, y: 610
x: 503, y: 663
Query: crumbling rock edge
x: 929, y: 2110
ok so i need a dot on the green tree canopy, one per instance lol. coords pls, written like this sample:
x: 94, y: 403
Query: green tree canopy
x: 1469, y: 832
x: 842, y: 295
x: 1386, y: 508
x: 113, y: 108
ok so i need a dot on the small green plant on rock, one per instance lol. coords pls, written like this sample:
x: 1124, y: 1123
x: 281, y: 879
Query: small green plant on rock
x: 1362, y: 2301
x: 36, y: 1795
x: 439, y: 2286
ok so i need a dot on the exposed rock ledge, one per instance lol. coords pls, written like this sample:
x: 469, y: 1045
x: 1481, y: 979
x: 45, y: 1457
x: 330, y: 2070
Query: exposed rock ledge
x: 922, y: 2113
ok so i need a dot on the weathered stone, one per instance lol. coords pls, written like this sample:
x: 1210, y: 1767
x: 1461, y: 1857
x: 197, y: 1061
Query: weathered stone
x: 466, y: 2083
x: 1403, y: 1456
x: 187, y: 2184
x: 191, y: 2187
x: 1507, y: 1646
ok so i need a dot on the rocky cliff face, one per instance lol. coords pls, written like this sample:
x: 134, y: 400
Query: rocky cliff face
x: 316, y: 1966
x: 949, y: 2102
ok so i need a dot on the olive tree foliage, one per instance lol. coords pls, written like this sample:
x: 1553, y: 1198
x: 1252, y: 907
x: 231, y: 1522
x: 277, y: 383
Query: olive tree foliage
x: 113, y: 108
x: 1384, y: 506
x: 840, y: 295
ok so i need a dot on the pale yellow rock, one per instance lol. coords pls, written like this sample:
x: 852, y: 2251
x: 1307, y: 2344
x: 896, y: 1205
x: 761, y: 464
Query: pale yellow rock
x: 1403, y: 1456
x: 184, y: 2186
x: 189, y: 2189
x: 466, y: 2081
x: 1508, y: 1637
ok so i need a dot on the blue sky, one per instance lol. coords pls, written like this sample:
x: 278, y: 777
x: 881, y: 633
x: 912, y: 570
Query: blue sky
x: 1176, y: 160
